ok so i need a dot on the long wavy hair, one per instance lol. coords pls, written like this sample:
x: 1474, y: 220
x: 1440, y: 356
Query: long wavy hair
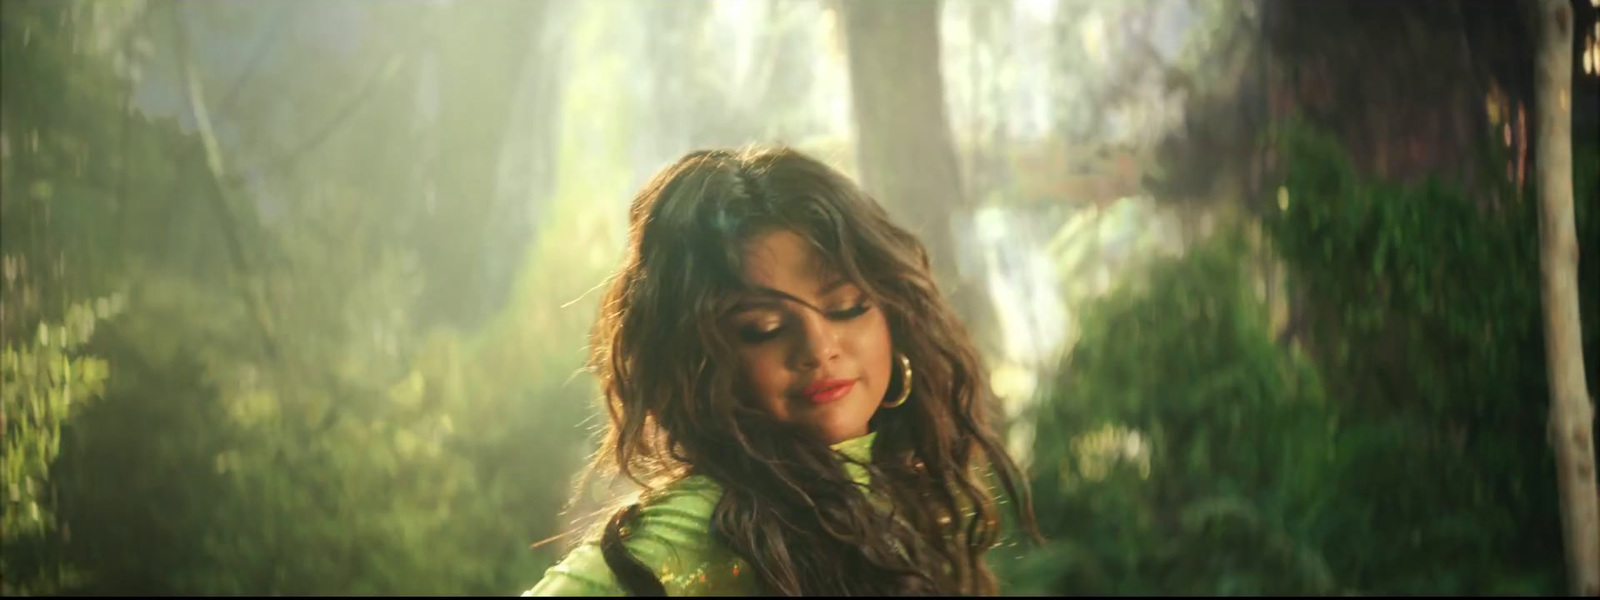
x: 790, y: 508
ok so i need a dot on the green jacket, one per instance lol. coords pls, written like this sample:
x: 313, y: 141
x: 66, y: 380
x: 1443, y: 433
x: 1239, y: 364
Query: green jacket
x: 671, y: 535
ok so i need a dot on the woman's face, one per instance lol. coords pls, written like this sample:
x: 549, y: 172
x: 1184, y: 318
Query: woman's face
x: 812, y: 350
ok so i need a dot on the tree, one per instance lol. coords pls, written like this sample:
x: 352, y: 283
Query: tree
x: 63, y: 198
x: 481, y: 63
x: 904, y: 148
x: 208, y: 464
x: 1571, y: 413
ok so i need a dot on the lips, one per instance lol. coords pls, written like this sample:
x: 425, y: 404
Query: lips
x: 823, y: 392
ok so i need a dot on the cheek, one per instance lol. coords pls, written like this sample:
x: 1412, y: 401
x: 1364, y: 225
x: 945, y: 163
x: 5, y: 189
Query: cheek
x: 765, y: 378
x: 874, y: 351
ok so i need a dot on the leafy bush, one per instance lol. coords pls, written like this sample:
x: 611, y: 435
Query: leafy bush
x: 1183, y: 448
x: 1422, y: 305
x: 1395, y: 446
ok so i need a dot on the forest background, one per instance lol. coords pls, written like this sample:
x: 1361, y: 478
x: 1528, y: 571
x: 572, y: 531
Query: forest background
x: 295, y: 294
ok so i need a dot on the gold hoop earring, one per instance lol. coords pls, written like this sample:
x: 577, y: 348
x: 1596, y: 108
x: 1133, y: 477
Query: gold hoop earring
x: 905, y: 383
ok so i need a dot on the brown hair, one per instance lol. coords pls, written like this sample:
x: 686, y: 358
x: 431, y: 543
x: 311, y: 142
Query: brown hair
x: 789, y: 508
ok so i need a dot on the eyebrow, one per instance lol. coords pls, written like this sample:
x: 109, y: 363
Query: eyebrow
x: 768, y: 295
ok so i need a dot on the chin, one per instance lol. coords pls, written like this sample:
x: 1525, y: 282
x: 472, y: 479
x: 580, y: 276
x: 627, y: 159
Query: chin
x: 842, y: 423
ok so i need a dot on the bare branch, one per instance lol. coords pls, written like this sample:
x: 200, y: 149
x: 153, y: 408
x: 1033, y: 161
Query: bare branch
x: 290, y: 157
x: 225, y: 109
x: 218, y: 179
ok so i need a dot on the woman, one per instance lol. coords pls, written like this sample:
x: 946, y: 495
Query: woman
x: 806, y: 413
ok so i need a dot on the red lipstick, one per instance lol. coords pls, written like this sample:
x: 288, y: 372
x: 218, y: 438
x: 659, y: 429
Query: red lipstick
x: 828, y: 390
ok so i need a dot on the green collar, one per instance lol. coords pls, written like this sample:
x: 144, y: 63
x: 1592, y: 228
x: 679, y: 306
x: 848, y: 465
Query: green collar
x: 857, y: 449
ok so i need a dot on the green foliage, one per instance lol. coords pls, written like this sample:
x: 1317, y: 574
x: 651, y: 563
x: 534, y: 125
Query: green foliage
x: 58, y: 101
x: 371, y: 458
x: 44, y: 382
x: 1422, y: 305
x: 1395, y: 446
x: 1183, y: 448
x: 326, y: 439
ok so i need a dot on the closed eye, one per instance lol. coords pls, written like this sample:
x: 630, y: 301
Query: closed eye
x: 849, y: 313
x: 756, y: 335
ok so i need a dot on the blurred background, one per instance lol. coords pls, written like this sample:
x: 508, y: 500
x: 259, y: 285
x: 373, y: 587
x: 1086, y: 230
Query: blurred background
x: 296, y: 294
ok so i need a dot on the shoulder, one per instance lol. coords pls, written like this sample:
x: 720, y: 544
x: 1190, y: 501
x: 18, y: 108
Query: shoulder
x: 672, y: 530
x: 670, y: 535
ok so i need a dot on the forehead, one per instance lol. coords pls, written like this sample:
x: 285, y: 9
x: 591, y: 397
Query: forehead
x: 784, y: 261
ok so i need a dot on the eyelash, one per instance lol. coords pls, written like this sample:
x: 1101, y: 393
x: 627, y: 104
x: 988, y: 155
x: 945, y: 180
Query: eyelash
x: 756, y: 337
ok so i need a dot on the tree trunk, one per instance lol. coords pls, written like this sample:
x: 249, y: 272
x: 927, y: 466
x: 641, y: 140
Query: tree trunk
x: 905, y: 153
x: 1571, y: 413
x: 482, y: 64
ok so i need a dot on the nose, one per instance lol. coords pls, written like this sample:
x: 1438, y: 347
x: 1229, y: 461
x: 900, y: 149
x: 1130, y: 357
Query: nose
x: 817, y: 344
